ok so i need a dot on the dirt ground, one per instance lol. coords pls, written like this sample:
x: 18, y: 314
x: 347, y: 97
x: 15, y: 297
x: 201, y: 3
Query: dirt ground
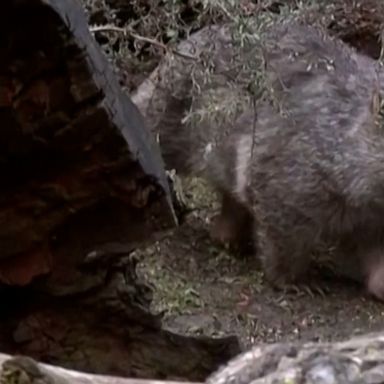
x: 202, y: 288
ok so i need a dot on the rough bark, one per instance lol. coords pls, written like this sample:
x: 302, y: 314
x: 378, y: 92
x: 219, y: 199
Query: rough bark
x: 82, y: 185
x: 69, y: 137
x: 358, y: 360
x: 27, y: 369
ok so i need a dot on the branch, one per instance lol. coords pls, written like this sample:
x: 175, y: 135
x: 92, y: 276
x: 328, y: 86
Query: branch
x: 127, y: 31
x: 22, y: 369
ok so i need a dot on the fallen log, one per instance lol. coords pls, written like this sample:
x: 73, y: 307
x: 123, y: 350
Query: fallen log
x: 69, y: 138
x: 83, y: 185
x: 25, y: 368
x: 358, y: 360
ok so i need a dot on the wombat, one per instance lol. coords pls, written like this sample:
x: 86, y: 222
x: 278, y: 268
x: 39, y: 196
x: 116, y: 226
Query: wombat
x: 316, y: 174
x: 304, y: 168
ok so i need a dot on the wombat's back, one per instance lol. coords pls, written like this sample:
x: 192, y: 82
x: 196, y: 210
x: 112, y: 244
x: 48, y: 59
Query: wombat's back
x: 323, y: 96
x: 319, y: 131
x: 318, y: 158
x: 293, y: 51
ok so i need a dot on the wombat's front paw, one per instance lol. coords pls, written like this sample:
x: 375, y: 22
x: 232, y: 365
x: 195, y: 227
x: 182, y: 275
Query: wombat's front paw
x: 220, y: 230
x: 223, y: 231
x: 226, y: 234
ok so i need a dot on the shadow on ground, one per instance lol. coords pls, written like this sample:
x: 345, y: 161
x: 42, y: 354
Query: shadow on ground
x: 204, y: 289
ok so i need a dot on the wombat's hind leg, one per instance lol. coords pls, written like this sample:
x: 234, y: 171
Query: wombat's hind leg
x: 286, y: 259
x: 373, y: 266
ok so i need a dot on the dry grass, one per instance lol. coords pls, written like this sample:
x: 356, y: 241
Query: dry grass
x: 136, y: 35
x: 141, y: 31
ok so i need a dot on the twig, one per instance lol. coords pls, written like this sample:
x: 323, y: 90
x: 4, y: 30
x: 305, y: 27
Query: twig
x: 127, y: 31
x: 24, y: 369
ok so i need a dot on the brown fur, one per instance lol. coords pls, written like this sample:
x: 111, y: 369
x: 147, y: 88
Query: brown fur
x: 316, y: 172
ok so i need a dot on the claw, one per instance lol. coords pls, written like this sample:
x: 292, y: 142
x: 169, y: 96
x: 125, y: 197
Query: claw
x: 321, y: 290
x: 301, y: 289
